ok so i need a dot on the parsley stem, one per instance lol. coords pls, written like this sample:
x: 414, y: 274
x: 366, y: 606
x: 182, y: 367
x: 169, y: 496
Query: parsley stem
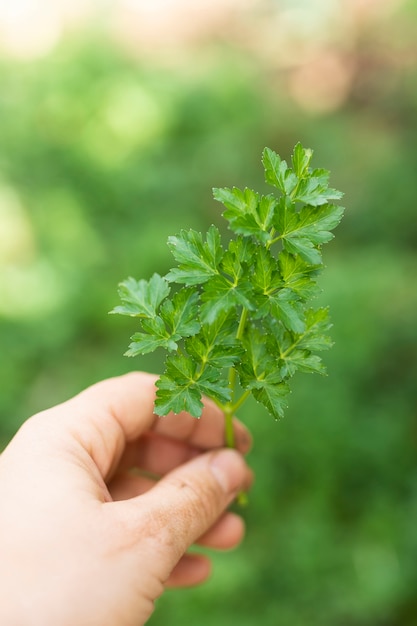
x: 232, y: 382
x: 242, y: 323
x: 292, y: 347
x: 230, y: 408
x: 239, y: 335
x: 272, y: 241
x: 228, y: 411
x: 240, y: 401
x: 229, y: 434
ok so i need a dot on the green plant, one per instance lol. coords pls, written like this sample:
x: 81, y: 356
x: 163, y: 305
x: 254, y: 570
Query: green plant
x: 239, y: 322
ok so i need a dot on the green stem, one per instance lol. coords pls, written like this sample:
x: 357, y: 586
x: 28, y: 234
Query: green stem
x: 240, y: 401
x: 292, y: 347
x: 230, y: 408
x: 232, y: 383
x: 272, y: 241
x: 229, y: 434
x: 242, y: 323
x: 228, y: 412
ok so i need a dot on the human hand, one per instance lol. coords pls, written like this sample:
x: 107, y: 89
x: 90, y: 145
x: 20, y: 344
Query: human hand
x: 84, y: 540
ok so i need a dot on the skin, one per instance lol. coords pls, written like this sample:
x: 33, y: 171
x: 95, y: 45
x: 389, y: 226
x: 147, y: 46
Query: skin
x: 88, y: 534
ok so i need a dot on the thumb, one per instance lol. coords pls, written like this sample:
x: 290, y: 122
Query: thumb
x: 184, y: 504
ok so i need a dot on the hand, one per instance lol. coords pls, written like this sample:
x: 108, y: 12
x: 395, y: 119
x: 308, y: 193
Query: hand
x: 88, y: 535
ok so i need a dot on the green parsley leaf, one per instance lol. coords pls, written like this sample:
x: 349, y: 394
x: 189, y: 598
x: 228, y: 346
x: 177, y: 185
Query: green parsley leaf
x: 141, y: 298
x: 235, y: 320
x: 277, y: 172
x: 221, y: 295
x: 181, y: 313
x: 317, y: 326
x: 289, y: 311
x: 303, y: 361
x: 311, y: 191
x: 272, y: 296
x: 273, y: 395
x: 265, y: 277
x: 247, y: 211
x: 301, y: 160
x: 181, y: 387
x: 198, y: 260
x: 177, y: 390
x: 295, y: 350
x: 238, y: 258
x: 155, y: 336
x: 216, y: 343
x: 173, y: 396
x: 297, y: 275
x: 302, y: 232
x: 214, y: 387
x: 259, y: 375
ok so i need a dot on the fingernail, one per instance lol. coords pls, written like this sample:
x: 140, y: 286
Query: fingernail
x: 229, y: 469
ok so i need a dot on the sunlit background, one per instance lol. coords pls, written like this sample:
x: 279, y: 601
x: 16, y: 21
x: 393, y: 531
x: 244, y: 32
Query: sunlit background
x: 116, y: 120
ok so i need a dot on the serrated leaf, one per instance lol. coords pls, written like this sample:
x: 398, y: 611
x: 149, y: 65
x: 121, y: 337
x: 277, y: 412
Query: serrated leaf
x: 155, y: 336
x: 297, y: 275
x: 282, y: 306
x: 259, y: 374
x: 257, y: 360
x: 141, y: 298
x: 303, y: 247
x: 176, y: 388
x: 301, y: 159
x: 181, y: 313
x: 288, y: 310
x: 198, y: 259
x: 273, y: 396
x: 272, y: 296
x: 265, y: 277
x: 218, y: 356
x: 211, y: 385
x: 302, y: 232
x: 222, y: 330
x: 311, y: 191
x: 265, y: 215
x: 317, y: 223
x: 277, y: 172
x: 239, y: 203
x: 302, y: 361
x: 238, y: 258
x: 174, y: 397
x: 220, y: 295
x: 216, y: 344
x: 220, y: 350
x: 181, y: 387
x: 295, y: 351
x: 322, y: 175
x: 247, y: 212
x: 317, y: 325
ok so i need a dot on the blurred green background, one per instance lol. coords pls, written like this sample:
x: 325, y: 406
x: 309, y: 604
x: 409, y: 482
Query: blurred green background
x: 115, y: 123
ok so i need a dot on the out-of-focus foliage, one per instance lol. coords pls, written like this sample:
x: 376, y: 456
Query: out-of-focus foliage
x: 102, y: 156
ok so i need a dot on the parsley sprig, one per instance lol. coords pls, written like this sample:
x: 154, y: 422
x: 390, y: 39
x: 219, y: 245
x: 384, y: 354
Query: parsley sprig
x: 234, y: 318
